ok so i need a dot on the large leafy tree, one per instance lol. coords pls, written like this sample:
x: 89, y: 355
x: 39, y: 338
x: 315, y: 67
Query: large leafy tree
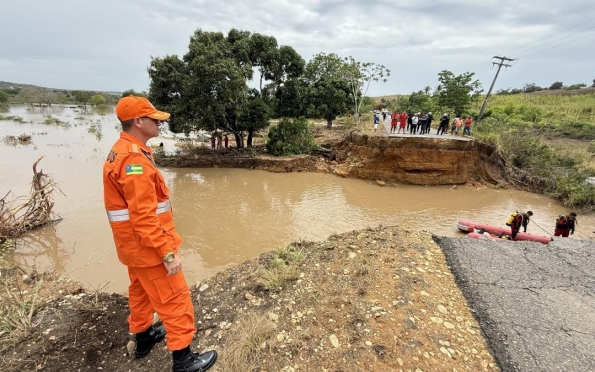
x: 328, y: 98
x: 290, y: 99
x: 457, y: 92
x: 208, y: 87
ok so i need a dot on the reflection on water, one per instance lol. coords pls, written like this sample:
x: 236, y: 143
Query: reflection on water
x: 225, y: 215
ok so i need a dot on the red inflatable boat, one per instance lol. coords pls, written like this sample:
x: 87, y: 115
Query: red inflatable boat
x: 470, y: 227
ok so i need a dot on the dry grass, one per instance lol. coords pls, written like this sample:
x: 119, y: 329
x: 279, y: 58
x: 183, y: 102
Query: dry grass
x: 252, y: 336
x: 281, y: 267
x: 19, y: 302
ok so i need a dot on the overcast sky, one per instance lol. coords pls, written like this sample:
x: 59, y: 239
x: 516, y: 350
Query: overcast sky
x: 107, y: 44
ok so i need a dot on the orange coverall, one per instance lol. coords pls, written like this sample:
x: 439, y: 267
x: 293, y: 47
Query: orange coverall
x: 140, y: 215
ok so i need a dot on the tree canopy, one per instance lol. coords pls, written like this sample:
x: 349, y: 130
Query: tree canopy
x: 457, y: 92
x: 208, y: 87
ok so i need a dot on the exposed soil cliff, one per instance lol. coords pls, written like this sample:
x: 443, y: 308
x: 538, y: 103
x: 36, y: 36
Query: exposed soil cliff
x: 418, y: 161
x: 410, y: 160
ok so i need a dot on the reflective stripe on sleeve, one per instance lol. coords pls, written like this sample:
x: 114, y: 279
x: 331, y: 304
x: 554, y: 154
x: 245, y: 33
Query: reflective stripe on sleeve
x: 119, y: 215
x: 163, y: 207
x: 124, y: 215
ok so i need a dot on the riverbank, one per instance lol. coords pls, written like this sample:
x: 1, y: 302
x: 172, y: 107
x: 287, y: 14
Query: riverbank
x: 378, y: 299
x: 356, y: 154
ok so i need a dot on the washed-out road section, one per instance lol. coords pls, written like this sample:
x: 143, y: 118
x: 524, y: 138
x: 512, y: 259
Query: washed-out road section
x: 534, y: 302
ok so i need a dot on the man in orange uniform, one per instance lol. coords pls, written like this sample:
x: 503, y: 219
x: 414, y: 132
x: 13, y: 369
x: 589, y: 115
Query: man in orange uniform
x: 139, y: 212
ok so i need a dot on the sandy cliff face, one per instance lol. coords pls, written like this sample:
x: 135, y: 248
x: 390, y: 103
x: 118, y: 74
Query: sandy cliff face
x: 419, y: 161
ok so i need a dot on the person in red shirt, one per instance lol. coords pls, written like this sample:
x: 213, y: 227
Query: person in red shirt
x: 394, y: 120
x: 403, y: 124
x: 468, y: 123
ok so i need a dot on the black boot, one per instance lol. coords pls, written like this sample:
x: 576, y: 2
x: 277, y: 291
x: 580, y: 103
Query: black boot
x: 186, y: 361
x: 147, y: 339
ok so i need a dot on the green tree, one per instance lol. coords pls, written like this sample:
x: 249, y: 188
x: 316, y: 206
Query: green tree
x: 367, y: 104
x: 131, y: 92
x: 97, y: 100
x: 328, y: 98
x: 575, y: 86
x: 290, y: 99
x: 532, y: 87
x: 290, y: 137
x: 82, y: 96
x: 207, y: 88
x: 358, y: 75
x: 418, y: 102
x: 255, y: 116
x: 557, y: 85
x: 457, y: 92
x: 3, y: 97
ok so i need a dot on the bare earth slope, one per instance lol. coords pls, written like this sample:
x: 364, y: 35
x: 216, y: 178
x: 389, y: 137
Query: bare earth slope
x: 374, y: 300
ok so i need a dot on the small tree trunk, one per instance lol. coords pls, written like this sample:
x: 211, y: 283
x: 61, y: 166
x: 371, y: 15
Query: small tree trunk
x: 250, y: 136
x: 329, y: 123
x: 239, y: 139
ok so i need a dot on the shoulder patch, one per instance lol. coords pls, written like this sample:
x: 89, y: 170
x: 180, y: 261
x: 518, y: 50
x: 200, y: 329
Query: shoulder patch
x: 134, y: 148
x: 132, y: 169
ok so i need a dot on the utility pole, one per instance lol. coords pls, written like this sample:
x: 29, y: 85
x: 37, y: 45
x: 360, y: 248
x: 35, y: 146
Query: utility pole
x: 485, y: 102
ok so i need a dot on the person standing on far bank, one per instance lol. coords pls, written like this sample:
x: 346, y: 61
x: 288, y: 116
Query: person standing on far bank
x: 140, y: 215
x: 444, y: 120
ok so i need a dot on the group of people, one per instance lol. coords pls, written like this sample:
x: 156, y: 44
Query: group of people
x: 217, y: 141
x: 565, y: 224
x: 421, y: 123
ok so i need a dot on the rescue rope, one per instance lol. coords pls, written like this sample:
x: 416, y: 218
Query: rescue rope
x: 530, y: 220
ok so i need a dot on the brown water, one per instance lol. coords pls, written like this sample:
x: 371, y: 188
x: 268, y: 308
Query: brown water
x: 225, y: 215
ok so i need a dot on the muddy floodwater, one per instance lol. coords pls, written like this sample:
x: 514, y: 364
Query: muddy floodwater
x: 225, y: 215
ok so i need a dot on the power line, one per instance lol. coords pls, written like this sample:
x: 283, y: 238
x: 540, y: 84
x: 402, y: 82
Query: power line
x: 547, y: 37
x: 535, y: 41
x: 553, y: 41
x: 555, y: 46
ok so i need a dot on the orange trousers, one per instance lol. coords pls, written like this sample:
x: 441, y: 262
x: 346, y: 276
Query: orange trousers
x: 151, y: 290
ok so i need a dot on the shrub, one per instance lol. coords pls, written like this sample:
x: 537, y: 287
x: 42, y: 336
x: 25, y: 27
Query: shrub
x: 290, y: 137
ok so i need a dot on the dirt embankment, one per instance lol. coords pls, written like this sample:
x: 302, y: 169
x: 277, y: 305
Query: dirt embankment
x: 374, y: 300
x: 417, y: 161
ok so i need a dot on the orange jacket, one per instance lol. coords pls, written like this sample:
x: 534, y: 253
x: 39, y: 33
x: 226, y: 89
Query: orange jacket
x: 137, y: 204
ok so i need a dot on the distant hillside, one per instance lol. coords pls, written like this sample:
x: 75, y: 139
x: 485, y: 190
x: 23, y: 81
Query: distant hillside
x: 564, y: 92
x: 33, y: 94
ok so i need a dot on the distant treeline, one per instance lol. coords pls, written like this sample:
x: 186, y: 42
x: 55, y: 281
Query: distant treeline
x: 532, y: 87
x: 11, y: 93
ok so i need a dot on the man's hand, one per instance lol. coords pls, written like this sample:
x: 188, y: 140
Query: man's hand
x: 173, y: 267
x: 571, y: 232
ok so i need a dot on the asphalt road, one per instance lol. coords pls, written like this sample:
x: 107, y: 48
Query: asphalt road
x: 534, y: 302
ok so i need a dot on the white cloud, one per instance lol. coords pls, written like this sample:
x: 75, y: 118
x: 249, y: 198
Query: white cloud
x: 107, y: 45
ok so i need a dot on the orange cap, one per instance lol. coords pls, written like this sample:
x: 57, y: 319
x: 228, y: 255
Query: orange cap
x: 131, y: 107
